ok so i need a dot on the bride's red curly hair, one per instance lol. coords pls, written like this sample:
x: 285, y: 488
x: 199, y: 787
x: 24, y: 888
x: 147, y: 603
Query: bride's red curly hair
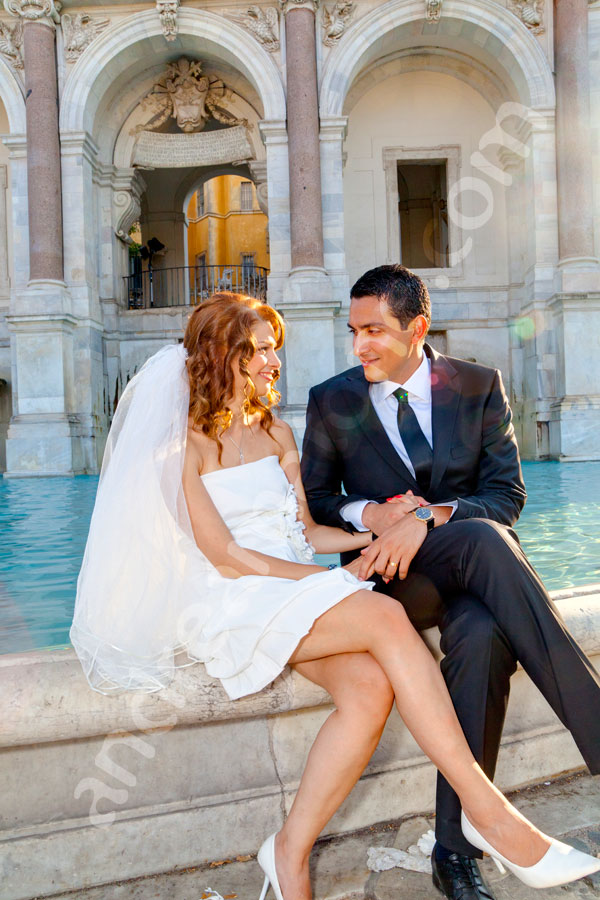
x: 218, y: 330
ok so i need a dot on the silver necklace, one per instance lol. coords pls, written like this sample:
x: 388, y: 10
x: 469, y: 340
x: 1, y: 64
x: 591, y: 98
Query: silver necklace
x: 238, y: 447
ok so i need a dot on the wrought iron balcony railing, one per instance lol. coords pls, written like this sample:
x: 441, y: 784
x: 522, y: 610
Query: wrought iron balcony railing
x: 190, y: 285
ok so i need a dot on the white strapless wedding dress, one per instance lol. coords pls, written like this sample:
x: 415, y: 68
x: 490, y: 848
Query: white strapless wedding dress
x: 248, y: 627
x: 152, y: 603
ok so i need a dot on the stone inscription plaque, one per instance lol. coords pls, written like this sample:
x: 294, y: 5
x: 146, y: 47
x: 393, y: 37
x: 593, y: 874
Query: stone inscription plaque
x: 177, y: 151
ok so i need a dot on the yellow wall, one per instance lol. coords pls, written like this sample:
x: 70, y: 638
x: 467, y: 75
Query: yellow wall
x: 224, y: 233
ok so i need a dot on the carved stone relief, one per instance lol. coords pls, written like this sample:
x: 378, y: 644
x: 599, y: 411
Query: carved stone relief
x: 263, y: 23
x: 79, y: 31
x: 531, y: 13
x: 11, y: 43
x: 127, y: 206
x: 335, y: 19
x: 433, y: 10
x: 173, y: 151
x: 34, y: 9
x: 186, y: 94
x: 167, y: 11
x: 258, y: 169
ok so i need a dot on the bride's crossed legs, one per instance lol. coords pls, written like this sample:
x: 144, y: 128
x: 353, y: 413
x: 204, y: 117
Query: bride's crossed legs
x: 365, y: 652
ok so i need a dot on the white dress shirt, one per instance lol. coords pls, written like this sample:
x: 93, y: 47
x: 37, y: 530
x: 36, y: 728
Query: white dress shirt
x: 381, y: 394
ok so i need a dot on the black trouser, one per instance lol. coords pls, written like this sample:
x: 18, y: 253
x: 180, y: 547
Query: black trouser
x: 472, y: 578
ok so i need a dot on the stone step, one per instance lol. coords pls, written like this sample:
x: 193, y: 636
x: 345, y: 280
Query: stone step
x: 568, y: 808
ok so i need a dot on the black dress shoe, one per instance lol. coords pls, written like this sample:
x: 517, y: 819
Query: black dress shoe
x: 458, y: 878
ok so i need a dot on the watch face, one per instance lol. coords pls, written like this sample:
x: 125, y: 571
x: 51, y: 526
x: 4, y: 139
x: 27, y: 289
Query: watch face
x: 424, y: 514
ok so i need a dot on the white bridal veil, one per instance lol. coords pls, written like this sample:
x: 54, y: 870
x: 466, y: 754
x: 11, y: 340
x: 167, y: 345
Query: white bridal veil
x: 130, y: 591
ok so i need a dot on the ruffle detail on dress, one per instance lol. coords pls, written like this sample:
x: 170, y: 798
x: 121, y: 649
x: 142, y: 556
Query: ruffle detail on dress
x: 295, y: 528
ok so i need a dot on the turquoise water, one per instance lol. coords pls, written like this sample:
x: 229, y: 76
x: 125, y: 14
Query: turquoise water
x: 44, y: 522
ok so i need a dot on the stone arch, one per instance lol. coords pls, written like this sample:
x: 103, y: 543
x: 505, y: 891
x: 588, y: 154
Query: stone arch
x: 13, y: 99
x: 114, y: 50
x: 431, y: 59
x: 486, y: 31
x: 191, y: 183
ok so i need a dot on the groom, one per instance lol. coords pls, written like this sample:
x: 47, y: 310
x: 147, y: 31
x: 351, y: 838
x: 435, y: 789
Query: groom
x: 435, y: 434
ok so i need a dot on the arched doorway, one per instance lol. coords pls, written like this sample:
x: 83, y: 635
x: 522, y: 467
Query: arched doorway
x: 110, y: 101
x: 450, y: 135
x: 227, y: 237
x: 215, y: 239
x: 103, y: 98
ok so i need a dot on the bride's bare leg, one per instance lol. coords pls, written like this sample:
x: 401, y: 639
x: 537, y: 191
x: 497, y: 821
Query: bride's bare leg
x: 375, y: 623
x: 363, y: 698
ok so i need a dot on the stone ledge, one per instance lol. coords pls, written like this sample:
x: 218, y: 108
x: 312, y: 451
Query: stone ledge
x: 102, y: 788
x: 46, y: 697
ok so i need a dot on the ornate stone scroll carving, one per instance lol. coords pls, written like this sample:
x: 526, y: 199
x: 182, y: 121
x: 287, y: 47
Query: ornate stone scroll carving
x: 128, y: 210
x: 531, y: 13
x: 11, y: 43
x: 167, y: 11
x: 34, y: 9
x: 262, y: 23
x: 174, y: 151
x: 127, y: 205
x: 258, y: 169
x: 79, y: 31
x: 335, y: 19
x: 184, y: 93
x: 433, y: 10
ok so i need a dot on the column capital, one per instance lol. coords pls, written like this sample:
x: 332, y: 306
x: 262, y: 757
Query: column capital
x: 333, y: 128
x: 509, y: 160
x: 287, y: 6
x: 45, y: 12
x: 16, y: 145
x: 273, y: 131
x: 79, y: 143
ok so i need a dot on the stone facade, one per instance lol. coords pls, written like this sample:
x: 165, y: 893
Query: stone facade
x: 337, y: 102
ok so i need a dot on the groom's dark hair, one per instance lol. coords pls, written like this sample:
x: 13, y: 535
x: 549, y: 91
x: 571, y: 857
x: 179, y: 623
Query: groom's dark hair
x: 403, y: 291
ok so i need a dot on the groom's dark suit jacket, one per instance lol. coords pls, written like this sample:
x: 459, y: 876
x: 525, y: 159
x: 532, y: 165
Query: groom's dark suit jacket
x: 475, y: 454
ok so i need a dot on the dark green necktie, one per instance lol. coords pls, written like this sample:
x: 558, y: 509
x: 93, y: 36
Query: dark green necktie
x: 415, y: 442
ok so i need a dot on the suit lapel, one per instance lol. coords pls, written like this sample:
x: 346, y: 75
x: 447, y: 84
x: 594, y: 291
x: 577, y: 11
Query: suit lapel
x: 367, y: 421
x: 445, y: 397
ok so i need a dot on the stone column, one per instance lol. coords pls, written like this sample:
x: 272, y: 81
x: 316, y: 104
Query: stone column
x: 308, y: 300
x: 574, y: 419
x: 44, y: 434
x: 303, y: 134
x: 43, y: 152
x: 573, y: 138
x: 4, y: 279
x: 275, y: 139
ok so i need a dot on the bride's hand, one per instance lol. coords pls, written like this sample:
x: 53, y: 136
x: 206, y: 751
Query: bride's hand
x: 354, y: 566
x: 409, y: 500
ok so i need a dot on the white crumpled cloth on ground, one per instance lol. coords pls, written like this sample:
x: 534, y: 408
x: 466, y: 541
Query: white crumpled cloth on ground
x: 416, y: 859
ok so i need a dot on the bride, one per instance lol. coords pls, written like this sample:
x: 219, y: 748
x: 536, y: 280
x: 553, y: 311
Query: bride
x: 201, y: 550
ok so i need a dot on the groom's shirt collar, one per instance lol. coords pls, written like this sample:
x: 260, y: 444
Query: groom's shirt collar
x: 418, y: 386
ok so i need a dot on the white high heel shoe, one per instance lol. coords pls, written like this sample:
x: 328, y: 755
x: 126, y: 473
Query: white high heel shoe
x: 560, y: 864
x: 266, y: 860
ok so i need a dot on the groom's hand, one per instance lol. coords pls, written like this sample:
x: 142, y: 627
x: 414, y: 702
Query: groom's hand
x: 378, y: 517
x: 394, y: 550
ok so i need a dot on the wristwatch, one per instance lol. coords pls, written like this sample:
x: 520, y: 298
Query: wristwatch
x: 424, y: 514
